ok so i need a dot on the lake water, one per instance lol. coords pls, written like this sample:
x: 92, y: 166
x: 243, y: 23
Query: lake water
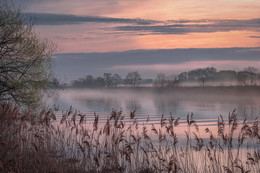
x: 205, y: 104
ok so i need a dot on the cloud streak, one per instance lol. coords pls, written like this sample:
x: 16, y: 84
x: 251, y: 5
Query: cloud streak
x: 150, y: 27
x: 195, y: 26
x: 73, y: 65
x: 254, y: 36
x: 66, y: 19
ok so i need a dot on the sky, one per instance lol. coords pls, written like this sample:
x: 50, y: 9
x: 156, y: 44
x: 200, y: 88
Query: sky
x: 83, y: 28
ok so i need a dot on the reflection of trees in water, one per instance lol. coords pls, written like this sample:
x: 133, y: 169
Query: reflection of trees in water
x: 107, y: 104
x: 248, y: 110
x: 159, y: 102
x: 111, y: 103
x: 184, y: 103
x: 133, y: 104
x: 165, y: 104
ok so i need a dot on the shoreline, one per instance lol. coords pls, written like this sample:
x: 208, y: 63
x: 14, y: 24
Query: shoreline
x: 197, y: 90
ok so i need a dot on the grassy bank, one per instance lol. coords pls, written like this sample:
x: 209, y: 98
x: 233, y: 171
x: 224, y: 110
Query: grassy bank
x: 39, y: 143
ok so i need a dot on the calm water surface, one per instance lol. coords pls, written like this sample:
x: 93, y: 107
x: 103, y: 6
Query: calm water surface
x: 206, y: 106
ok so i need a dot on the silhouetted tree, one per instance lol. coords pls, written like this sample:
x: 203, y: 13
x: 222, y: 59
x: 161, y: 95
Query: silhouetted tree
x: 133, y: 77
x: 160, y: 80
x: 79, y: 83
x: 100, y: 82
x: 172, y: 81
x: 202, y: 74
x: 242, y: 77
x: 116, y: 79
x: 251, y: 71
x: 183, y: 77
x: 89, y: 82
x: 225, y: 75
x: 108, y: 79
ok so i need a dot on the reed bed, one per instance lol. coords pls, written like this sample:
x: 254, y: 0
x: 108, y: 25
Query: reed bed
x: 40, y: 143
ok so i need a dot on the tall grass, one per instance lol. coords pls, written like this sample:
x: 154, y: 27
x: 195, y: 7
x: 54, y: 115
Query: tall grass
x: 39, y: 143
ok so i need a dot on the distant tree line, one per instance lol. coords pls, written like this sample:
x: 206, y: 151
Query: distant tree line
x: 203, y: 76
x: 108, y: 80
x: 208, y: 76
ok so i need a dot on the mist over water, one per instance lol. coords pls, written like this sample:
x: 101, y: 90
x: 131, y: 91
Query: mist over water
x: 206, y: 104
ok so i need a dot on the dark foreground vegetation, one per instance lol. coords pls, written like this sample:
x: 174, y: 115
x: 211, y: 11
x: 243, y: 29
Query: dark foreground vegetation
x: 43, y: 143
x: 26, y: 65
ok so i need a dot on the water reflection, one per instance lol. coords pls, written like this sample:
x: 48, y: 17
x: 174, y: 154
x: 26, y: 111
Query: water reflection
x: 133, y: 104
x: 155, y: 102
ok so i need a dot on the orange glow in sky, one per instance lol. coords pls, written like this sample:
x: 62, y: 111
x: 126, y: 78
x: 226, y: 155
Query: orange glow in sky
x: 232, y: 23
x: 187, y: 9
x: 112, y: 28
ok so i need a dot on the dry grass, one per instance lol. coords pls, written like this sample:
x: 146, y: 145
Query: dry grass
x: 31, y: 143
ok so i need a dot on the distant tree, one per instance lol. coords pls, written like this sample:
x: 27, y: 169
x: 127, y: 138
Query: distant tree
x: 25, y: 59
x: 78, y: 83
x: 242, y: 77
x: 54, y: 83
x: 133, y: 77
x: 225, y: 75
x: 210, y: 72
x: 258, y: 78
x: 100, y: 82
x: 195, y: 74
x: 183, y: 77
x: 207, y: 74
x: 252, y: 74
x: 202, y: 74
x: 172, y: 81
x: 89, y: 81
x: 108, y: 79
x: 160, y: 80
x: 116, y: 79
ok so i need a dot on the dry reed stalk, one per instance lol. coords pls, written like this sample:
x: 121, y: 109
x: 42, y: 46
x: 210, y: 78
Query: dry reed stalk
x: 73, y: 146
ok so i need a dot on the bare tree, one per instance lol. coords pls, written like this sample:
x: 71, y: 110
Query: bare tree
x: 116, y: 79
x: 160, y: 80
x: 25, y: 59
x: 133, y: 77
x: 242, y: 78
x: 172, y: 81
x: 252, y: 73
x: 108, y: 79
